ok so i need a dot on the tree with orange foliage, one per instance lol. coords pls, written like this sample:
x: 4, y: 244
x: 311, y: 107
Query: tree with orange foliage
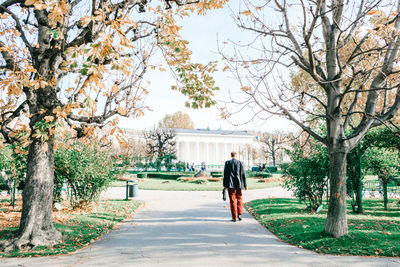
x: 79, y: 63
x: 350, y: 52
x: 178, y: 120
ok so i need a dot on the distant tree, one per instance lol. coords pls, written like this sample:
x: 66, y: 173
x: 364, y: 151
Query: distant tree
x: 386, y: 164
x: 177, y: 120
x: 272, y: 143
x: 160, y: 146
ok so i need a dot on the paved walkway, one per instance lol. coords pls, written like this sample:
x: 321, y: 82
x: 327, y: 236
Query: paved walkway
x: 193, y: 229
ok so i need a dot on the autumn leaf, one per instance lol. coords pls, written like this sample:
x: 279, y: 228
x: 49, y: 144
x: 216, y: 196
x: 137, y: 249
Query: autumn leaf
x: 48, y: 118
x: 246, y: 13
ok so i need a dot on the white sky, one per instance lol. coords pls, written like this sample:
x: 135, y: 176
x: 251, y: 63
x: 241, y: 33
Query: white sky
x: 202, y: 32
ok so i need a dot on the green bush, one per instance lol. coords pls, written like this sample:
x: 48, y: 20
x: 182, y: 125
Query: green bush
x: 86, y: 169
x: 272, y: 169
x: 258, y: 174
x: 14, y: 164
x: 254, y: 169
x: 265, y: 175
x: 308, y: 175
x: 169, y: 175
x: 217, y: 174
x: 284, y: 167
x: 180, y: 165
x: 142, y: 175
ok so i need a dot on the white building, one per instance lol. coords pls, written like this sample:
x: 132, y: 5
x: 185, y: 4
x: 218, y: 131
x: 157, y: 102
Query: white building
x: 213, y: 147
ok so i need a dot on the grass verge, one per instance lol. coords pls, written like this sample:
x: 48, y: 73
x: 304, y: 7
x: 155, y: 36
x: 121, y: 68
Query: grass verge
x: 375, y: 233
x: 173, y: 185
x: 81, y: 229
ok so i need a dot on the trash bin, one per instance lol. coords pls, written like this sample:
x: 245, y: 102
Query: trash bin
x: 133, y: 190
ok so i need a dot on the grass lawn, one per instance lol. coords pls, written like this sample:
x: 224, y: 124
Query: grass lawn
x: 173, y: 185
x: 377, y: 232
x: 81, y: 227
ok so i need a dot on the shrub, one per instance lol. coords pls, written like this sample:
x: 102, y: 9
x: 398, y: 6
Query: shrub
x: 258, y: 174
x: 307, y: 175
x: 169, y: 175
x: 180, y: 165
x: 217, y: 174
x: 14, y: 164
x: 86, y: 169
x: 284, y: 167
x: 254, y: 169
x: 272, y: 169
x: 142, y: 175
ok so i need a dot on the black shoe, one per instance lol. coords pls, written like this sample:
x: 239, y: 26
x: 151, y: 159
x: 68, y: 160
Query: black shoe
x: 233, y: 220
x: 240, y: 217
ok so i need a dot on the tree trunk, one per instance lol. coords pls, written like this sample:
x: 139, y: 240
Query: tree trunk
x: 385, y: 196
x: 36, y: 226
x: 359, y: 195
x: 273, y: 158
x: 359, y: 185
x: 336, y: 222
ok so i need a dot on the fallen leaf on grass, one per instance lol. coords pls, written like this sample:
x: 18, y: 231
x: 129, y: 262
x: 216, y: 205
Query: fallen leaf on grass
x: 386, y: 233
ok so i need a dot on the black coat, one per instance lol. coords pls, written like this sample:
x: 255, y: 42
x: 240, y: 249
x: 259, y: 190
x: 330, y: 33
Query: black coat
x: 234, y: 174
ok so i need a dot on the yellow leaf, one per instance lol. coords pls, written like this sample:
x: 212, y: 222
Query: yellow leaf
x: 246, y: 88
x: 48, y: 118
x: 246, y: 13
x: 371, y: 12
x: 29, y: 2
x: 225, y: 68
x: 114, y: 89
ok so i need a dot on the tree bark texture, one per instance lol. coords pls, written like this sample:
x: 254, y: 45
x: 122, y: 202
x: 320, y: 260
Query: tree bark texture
x: 359, y: 197
x: 385, y: 194
x: 36, y: 226
x: 336, y: 222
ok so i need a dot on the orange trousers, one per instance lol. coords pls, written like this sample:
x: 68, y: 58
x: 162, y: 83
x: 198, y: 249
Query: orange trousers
x: 235, y: 199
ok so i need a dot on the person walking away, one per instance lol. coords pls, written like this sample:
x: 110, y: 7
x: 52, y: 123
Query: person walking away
x: 235, y: 181
x: 193, y: 167
x: 203, y: 166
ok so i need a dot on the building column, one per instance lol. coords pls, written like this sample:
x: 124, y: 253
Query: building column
x: 207, y: 154
x: 178, y: 154
x: 197, y: 153
x: 226, y: 151
x: 187, y: 152
x: 216, y: 153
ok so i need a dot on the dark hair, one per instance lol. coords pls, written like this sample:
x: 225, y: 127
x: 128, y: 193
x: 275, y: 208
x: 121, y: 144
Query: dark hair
x: 233, y: 154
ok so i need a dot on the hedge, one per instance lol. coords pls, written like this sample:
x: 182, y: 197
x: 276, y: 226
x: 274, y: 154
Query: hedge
x: 217, y: 174
x: 272, y: 168
x: 142, y: 175
x: 258, y: 174
x: 169, y: 175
